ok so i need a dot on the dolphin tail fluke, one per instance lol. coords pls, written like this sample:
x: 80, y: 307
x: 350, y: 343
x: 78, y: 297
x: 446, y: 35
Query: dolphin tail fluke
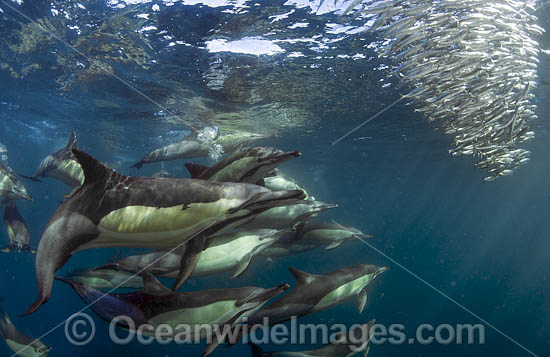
x: 41, y: 300
x: 137, y: 165
x: 256, y: 350
x: 32, y: 178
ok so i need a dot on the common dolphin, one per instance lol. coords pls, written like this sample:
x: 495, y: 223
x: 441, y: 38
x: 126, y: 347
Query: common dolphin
x: 157, y: 305
x: 286, y: 217
x: 16, y: 228
x: 314, y: 293
x: 11, y: 188
x: 18, y: 342
x: 61, y: 165
x: 106, y: 279
x: 113, y: 210
x: 280, y: 182
x: 192, y: 147
x: 344, y: 345
x: 224, y: 252
x: 311, y: 235
x: 247, y: 165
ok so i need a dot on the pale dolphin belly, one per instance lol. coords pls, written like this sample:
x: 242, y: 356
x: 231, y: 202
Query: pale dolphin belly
x: 344, y: 292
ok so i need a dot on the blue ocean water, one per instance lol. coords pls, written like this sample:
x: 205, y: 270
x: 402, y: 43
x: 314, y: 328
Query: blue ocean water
x: 435, y: 223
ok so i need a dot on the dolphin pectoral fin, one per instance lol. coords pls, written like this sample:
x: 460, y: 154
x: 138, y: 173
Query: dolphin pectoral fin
x: 72, y: 192
x: 334, y: 244
x: 189, y: 260
x: 261, y: 182
x: 212, y: 345
x: 299, y: 228
x: 243, y: 265
x: 152, y: 285
x: 362, y: 300
x: 256, y: 350
x: 366, y: 351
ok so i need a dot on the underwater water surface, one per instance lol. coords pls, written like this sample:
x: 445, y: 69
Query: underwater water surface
x: 460, y: 250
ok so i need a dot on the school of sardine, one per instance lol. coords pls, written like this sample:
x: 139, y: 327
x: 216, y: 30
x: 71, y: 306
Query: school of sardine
x: 472, y: 67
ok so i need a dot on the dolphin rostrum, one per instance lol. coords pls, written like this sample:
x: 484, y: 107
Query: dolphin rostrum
x: 113, y: 210
x: 156, y: 305
x: 61, y: 165
x: 17, y: 230
x: 224, y: 252
x: 314, y: 293
x: 192, y: 147
x: 18, y: 342
x: 247, y: 165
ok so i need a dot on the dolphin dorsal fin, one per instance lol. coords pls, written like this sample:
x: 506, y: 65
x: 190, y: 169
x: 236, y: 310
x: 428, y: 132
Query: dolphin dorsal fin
x: 302, y: 278
x: 94, y: 171
x: 72, y: 141
x: 196, y: 170
x: 152, y: 286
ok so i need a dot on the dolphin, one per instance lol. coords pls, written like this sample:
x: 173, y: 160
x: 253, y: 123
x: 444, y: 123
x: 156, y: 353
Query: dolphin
x: 314, y: 293
x: 285, y: 217
x: 157, y: 305
x: 113, y: 210
x: 247, y: 165
x: 224, y: 252
x: 11, y: 188
x: 342, y: 346
x: 192, y: 147
x: 311, y: 235
x: 19, y: 343
x: 280, y: 182
x: 106, y: 279
x: 16, y: 228
x: 61, y: 165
